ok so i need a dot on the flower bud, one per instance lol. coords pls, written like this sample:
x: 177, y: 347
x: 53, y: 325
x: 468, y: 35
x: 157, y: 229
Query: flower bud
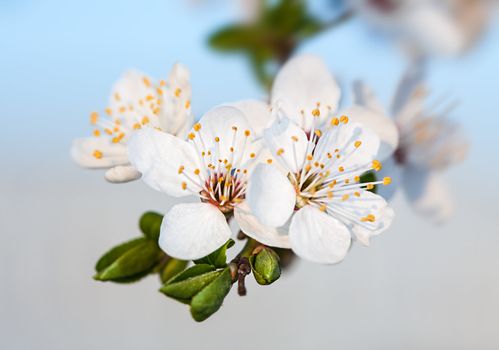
x: 150, y: 224
x: 265, y: 265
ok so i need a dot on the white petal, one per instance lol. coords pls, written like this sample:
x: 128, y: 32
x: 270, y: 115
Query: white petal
x: 407, y: 88
x: 428, y: 194
x: 159, y: 156
x: 193, y: 230
x: 257, y: 113
x: 318, y: 237
x: 380, y: 124
x: 303, y: 82
x: 369, y: 203
x: 218, y: 124
x: 270, y: 195
x: 287, y: 143
x: 249, y: 224
x: 82, y: 152
x: 364, y: 96
x: 122, y: 173
x: 343, y: 137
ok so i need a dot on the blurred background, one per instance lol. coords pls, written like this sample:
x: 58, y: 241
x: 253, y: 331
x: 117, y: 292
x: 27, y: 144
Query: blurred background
x: 417, y: 287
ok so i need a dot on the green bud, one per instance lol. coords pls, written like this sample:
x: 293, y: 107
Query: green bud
x: 188, y: 283
x: 150, y: 224
x: 172, y: 268
x: 129, y: 262
x: 265, y: 265
x: 219, y: 257
x: 210, y: 299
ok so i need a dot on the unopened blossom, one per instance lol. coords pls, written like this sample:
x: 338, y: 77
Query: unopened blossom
x: 429, y: 144
x: 308, y: 195
x: 427, y: 26
x: 136, y: 102
x: 213, y: 164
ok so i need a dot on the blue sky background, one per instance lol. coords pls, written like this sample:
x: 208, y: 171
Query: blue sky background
x: 59, y: 60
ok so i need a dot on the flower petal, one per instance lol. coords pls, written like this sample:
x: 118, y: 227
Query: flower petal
x: 270, y: 195
x: 378, y: 123
x: 394, y: 171
x: 428, y: 194
x: 365, y: 97
x: 287, y: 143
x: 193, y: 230
x: 257, y: 113
x: 318, y: 237
x: 159, y: 157
x: 302, y: 83
x: 122, y: 173
x: 98, y: 152
x: 249, y: 224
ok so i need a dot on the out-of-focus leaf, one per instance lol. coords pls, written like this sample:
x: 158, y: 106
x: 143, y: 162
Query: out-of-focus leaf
x: 219, y: 257
x: 210, y: 299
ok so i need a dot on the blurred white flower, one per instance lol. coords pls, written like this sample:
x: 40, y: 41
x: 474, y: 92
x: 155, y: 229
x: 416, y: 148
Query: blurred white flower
x: 308, y: 197
x: 427, y: 26
x: 429, y: 143
x: 213, y: 164
x: 136, y: 102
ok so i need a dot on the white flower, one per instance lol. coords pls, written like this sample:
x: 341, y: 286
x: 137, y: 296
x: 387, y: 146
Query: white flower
x: 429, y: 143
x: 428, y: 26
x: 309, y: 196
x: 136, y: 102
x: 213, y: 164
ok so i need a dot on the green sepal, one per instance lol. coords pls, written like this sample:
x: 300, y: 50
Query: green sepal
x: 150, y: 224
x: 132, y: 264
x: 265, y: 266
x: 188, y: 283
x: 219, y: 257
x: 113, y: 254
x: 369, y: 176
x: 210, y: 299
x: 172, y: 268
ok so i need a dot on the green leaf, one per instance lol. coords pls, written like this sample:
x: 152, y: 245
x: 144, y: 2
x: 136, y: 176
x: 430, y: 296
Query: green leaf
x: 210, y: 299
x: 133, y: 264
x: 219, y: 257
x: 193, y: 271
x: 265, y: 266
x: 150, y: 224
x: 172, y: 268
x: 370, y: 176
x: 113, y: 254
x: 185, y: 289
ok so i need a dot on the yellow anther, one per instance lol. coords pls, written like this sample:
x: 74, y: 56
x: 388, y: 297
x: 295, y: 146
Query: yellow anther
x: 234, y: 128
x: 117, y: 97
x: 178, y: 91
x: 247, y: 133
x: 323, y: 208
x: 187, y: 104
x: 310, y: 157
x: 329, y: 155
x: 149, y: 98
x: 108, y: 131
x: 280, y: 151
x: 220, y: 180
x: 377, y: 165
x: 245, y: 171
x: 122, y: 109
x: 347, y: 181
x: 316, y: 164
x: 357, y: 178
x: 344, y: 119
x: 357, y: 144
x: 109, y: 111
x: 252, y: 155
x: 97, y: 154
x: 330, y: 194
x: 318, y: 133
x: 184, y: 185
x: 96, y: 132
x: 145, y: 120
x: 137, y: 126
x: 357, y: 194
x: 197, y: 171
x: 191, y: 136
x: 335, y: 122
x: 146, y: 81
x: 316, y: 112
x: 94, y: 117
x: 294, y: 138
x: 217, y: 139
x: 341, y: 169
x: 231, y: 149
x: 368, y: 218
x: 345, y: 197
x: 197, y: 127
x: 181, y: 169
x: 269, y: 161
x: 162, y: 83
x: 387, y: 180
x: 308, y: 167
x: 370, y: 186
